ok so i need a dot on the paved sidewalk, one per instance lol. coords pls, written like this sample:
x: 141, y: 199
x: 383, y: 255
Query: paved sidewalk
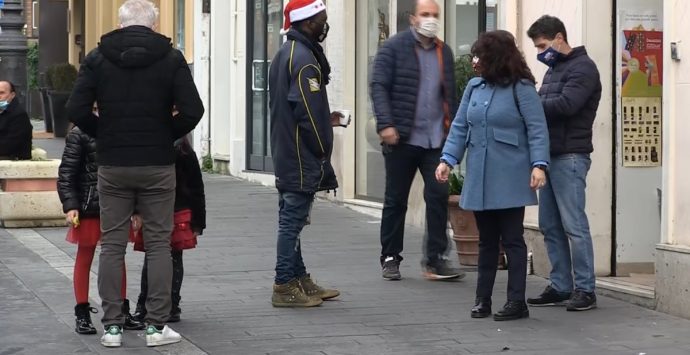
x: 227, y: 289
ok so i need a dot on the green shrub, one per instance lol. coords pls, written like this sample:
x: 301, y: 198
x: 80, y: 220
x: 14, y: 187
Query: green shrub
x: 455, y: 182
x: 32, y: 66
x: 207, y: 164
x: 463, y: 73
x: 61, y: 77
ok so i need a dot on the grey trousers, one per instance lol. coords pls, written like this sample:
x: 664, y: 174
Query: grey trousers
x: 150, y: 190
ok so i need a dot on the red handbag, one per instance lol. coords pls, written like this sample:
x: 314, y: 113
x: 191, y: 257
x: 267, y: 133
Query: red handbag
x: 182, y: 236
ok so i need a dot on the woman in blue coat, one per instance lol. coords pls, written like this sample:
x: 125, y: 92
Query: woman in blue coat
x: 501, y: 127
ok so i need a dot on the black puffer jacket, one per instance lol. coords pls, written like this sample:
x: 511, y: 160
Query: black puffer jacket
x: 15, y: 133
x: 570, y: 95
x: 136, y: 77
x: 189, y: 192
x: 78, y: 175
x: 395, y: 83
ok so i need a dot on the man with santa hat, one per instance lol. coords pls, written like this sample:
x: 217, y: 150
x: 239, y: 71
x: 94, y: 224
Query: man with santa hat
x: 301, y: 144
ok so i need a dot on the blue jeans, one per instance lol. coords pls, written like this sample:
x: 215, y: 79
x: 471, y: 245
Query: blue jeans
x: 292, y: 217
x: 563, y: 222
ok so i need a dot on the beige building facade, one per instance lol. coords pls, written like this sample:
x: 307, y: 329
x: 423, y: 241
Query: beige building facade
x: 89, y: 20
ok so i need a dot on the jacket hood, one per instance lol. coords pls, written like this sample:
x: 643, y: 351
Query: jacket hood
x: 134, y: 46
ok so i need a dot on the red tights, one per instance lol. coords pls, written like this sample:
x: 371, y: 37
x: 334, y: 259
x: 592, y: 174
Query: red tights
x: 82, y: 269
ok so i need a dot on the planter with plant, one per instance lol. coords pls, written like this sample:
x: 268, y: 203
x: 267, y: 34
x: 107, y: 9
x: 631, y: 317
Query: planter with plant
x: 61, y: 78
x: 465, y: 232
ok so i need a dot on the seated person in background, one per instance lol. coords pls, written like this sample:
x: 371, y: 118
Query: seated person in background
x: 15, y: 127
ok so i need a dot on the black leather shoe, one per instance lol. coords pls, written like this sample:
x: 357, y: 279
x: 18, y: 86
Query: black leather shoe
x: 512, y: 310
x: 140, y: 313
x: 174, y: 314
x: 130, y: 322
x: 482, y: 307
x: 83, y: 324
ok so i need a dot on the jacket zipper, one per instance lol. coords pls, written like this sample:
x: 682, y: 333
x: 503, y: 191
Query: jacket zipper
x: 321, y: 179
x: 88, y: 198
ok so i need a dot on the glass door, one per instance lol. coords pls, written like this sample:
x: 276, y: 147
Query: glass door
x: 265, y: 18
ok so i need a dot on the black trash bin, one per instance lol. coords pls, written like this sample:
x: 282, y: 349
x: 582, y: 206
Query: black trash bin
x: 58, y: 103
x: 45, y: 109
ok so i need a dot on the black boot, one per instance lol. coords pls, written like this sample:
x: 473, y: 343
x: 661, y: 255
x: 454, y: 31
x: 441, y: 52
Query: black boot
x: 82, y: 312
x: 512, y: 310
x: 175, y: 312
x: 130, y: 322
x: 482, y: 307
x: 140, y: 313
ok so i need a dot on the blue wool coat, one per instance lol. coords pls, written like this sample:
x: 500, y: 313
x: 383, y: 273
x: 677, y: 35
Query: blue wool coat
x: 501, y: 145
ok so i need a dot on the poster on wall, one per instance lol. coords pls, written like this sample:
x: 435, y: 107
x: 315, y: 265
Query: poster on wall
x: 641, y: 86
x: 641, y: 131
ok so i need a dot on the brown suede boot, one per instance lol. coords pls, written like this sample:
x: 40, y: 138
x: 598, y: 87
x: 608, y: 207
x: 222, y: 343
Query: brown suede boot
x: 311, y: 289
x: 291, y: 294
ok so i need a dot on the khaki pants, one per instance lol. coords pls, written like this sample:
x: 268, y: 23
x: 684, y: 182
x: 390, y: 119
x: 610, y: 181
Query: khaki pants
x: 149, y: 190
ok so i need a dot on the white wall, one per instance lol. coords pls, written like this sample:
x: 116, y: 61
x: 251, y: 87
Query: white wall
x: 228, y: 93
x: 202, y: 41
x: 588, y: 22
x: 676, y: 170
x: 340, y: 50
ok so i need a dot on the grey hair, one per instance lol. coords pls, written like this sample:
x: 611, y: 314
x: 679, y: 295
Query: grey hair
x: 138, y: 13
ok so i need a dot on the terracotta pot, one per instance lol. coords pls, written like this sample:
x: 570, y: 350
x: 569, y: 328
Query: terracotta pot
x: 466, y: 234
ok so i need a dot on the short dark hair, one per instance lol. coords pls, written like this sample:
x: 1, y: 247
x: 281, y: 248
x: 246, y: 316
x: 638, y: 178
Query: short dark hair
x: 12, y: 88
x: 500, y: 59
x: 547, y: 27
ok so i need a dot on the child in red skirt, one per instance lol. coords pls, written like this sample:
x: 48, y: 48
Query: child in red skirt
x: 190, y: 222
x: 77, y: 188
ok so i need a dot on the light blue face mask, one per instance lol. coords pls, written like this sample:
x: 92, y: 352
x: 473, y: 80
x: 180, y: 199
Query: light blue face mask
x: 4, y: 104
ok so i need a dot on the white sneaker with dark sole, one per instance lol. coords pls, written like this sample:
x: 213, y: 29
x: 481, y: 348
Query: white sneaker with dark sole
x: 112, y: 337
x: 155, y: 337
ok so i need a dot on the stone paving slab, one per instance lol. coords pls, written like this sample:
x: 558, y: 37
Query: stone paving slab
x: 227, y: 289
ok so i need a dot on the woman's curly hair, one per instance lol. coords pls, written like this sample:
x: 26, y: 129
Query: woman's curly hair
x: 500, y: 59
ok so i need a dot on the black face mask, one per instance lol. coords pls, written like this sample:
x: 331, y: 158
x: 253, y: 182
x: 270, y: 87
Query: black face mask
x: 324, y: 32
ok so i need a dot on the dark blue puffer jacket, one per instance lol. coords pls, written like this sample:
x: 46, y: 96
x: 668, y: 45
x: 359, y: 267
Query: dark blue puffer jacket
x: 301, y: 131
x: 395, y: 83
x: 570, y: 95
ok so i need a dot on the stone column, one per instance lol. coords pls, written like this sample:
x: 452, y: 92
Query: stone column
x: 13, y: 46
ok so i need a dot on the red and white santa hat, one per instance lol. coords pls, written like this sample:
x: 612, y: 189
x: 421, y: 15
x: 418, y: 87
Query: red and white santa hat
x: 298, y: 10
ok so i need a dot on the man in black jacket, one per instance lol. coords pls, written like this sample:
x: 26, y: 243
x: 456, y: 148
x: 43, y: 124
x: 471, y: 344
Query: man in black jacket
x: 301, y: 145
x: 570, y: 94
x: 15, y: 126
x: 413, y: 96
x: 137, y: 79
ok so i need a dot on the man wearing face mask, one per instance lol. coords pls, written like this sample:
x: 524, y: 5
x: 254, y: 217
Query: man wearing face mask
x: 15, y: 127
x: 413, y: 95
x: 570, y: 94
x: 301, y: 145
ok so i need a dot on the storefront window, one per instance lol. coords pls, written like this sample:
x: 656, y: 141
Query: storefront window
x: 380, y: 19
x: 264, y: 41
x: 376, y: 21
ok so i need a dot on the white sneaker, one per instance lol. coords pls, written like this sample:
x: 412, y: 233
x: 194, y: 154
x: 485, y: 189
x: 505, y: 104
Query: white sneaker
x: 112, y: 337
x: 155, y: 337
